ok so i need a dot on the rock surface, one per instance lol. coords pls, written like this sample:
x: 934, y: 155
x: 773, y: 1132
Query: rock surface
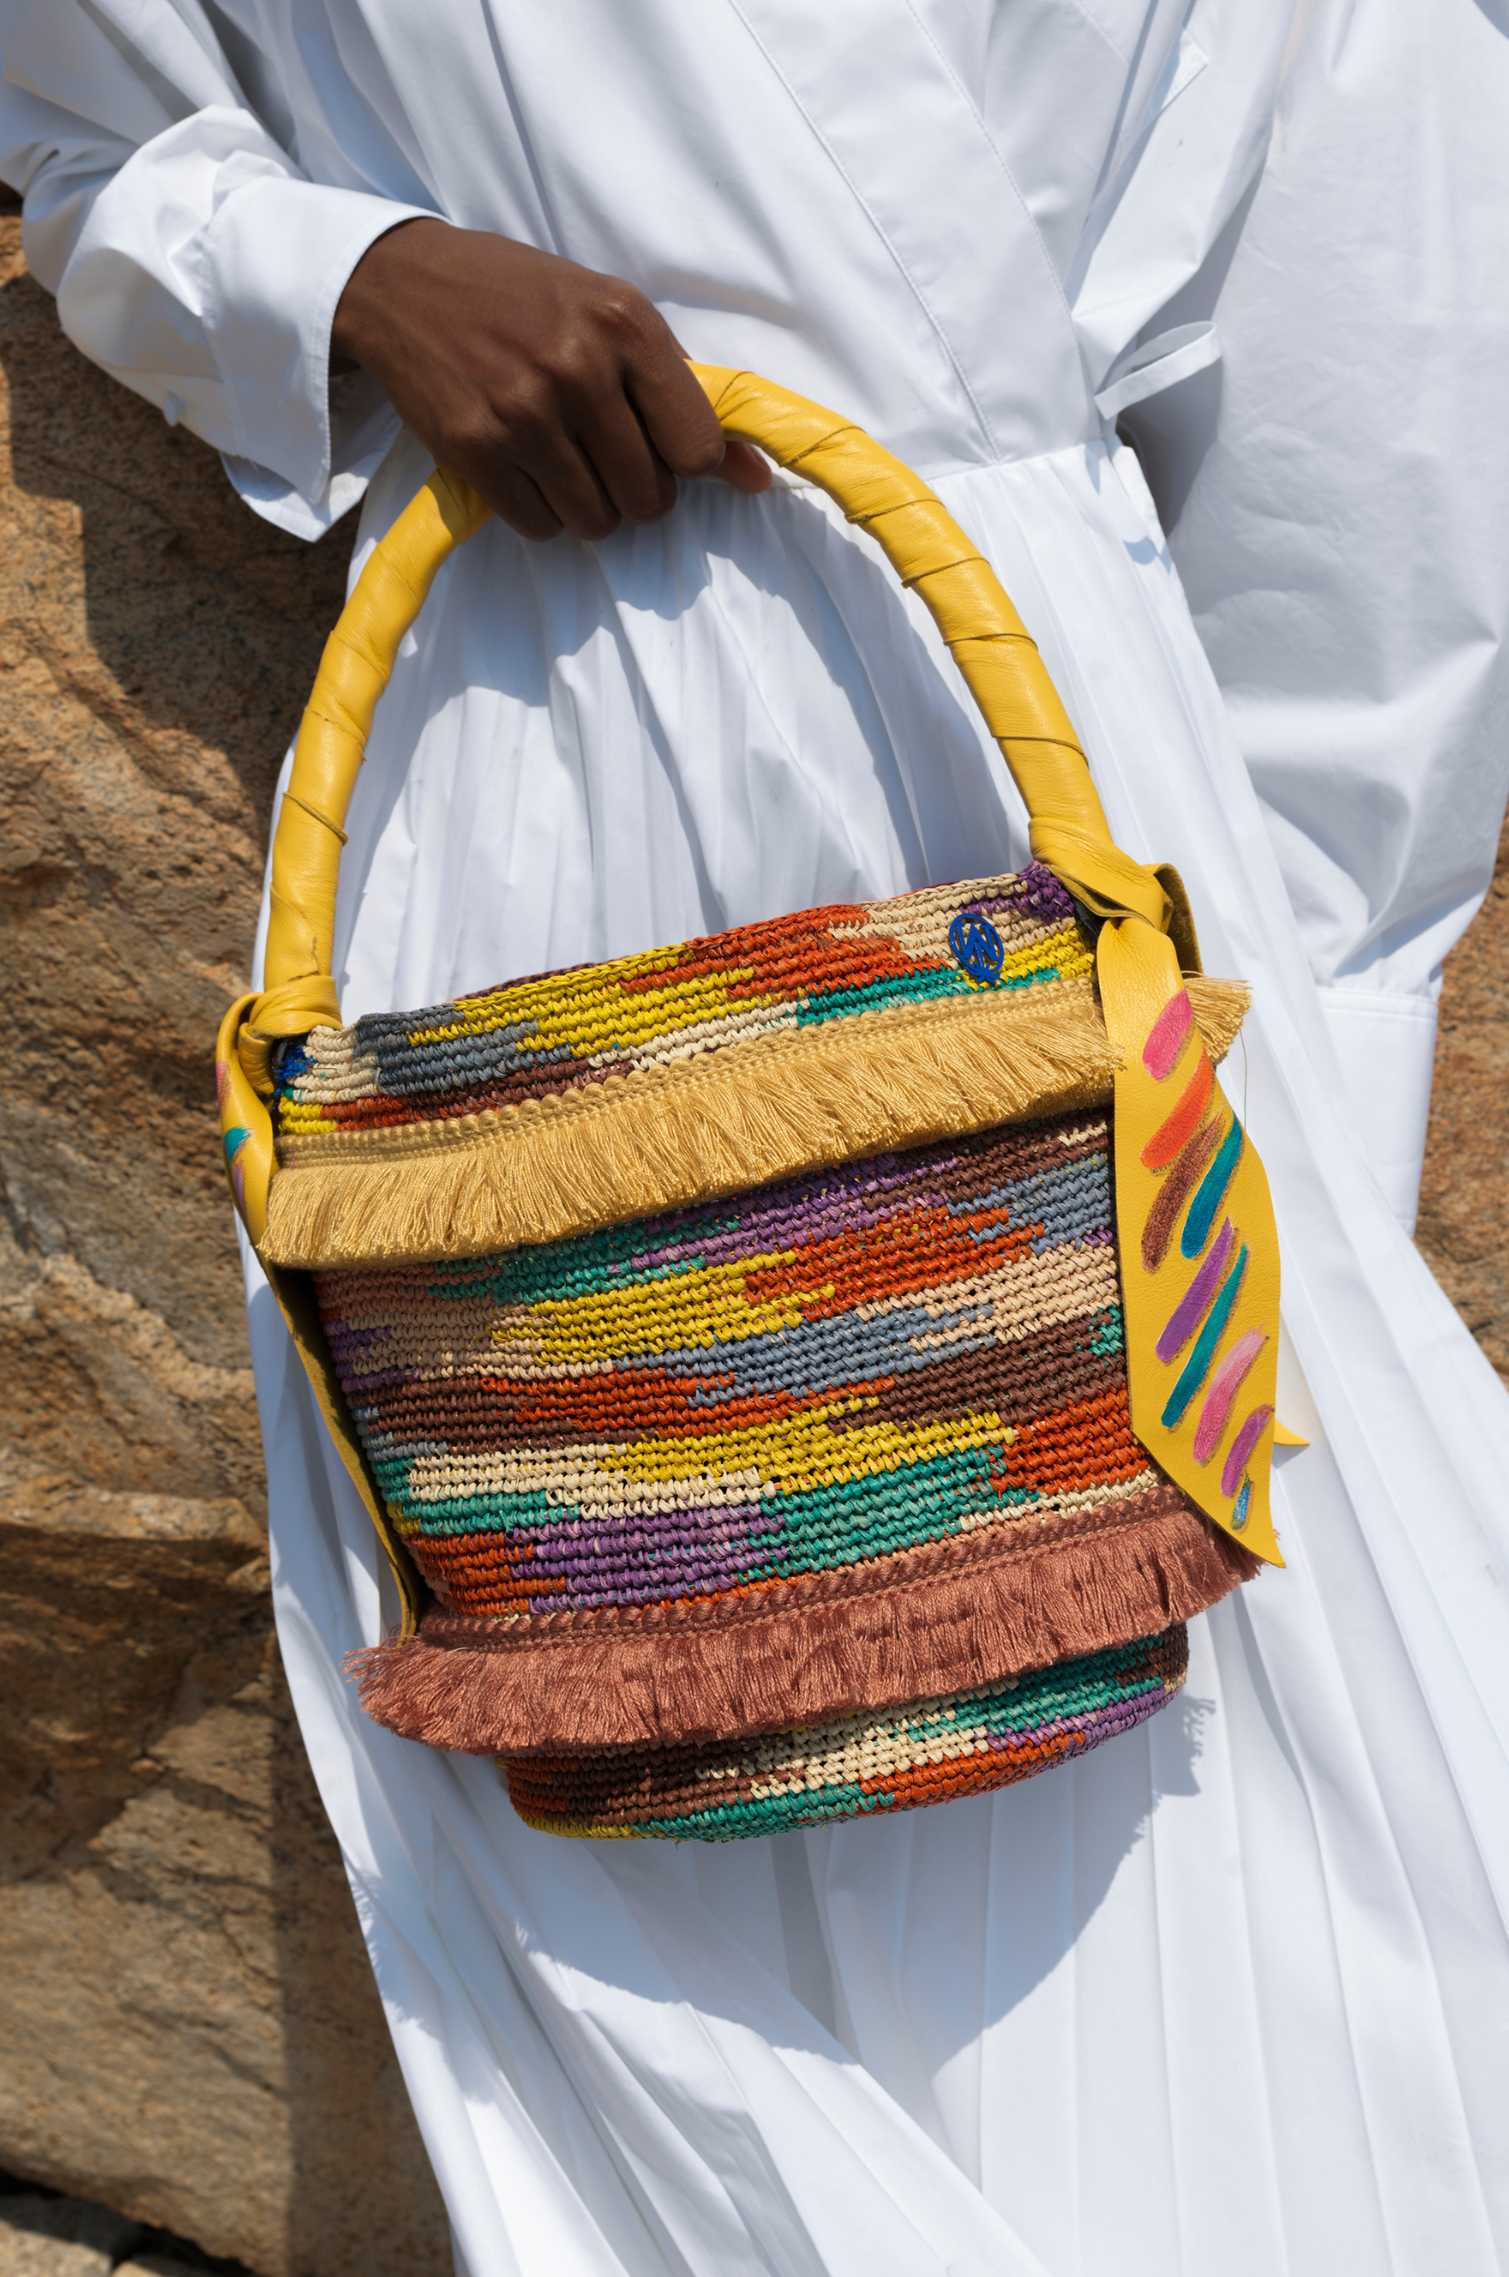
x: 50, y: 2237
x: 62, y: 2237
x: 1464, y: 1199
x: 26, y: 2253
x: 189, y: 2027
x: 43, y: 2235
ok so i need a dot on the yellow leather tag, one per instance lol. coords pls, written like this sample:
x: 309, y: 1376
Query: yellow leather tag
x: 1199, y: 1250
x: 246, y: 1138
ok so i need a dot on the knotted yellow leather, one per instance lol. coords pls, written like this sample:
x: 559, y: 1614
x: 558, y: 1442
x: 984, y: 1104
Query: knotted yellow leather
x: 299, y: 992
x: 1142, y: 906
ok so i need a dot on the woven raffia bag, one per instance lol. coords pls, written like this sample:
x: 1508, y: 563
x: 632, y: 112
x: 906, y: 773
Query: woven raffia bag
x: 813, y: 1370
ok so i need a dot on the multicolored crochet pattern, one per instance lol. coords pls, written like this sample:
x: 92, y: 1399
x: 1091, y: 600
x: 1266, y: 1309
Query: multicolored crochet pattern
x: 852, y: 1438
x: 933, y: 1751
x: 560, y: 1031
x: 812, y: 1377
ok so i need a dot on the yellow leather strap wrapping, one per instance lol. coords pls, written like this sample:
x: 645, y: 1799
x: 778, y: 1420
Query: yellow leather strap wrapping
x: 987, y: 639
x: 876, y: 491
x: 299, y: 992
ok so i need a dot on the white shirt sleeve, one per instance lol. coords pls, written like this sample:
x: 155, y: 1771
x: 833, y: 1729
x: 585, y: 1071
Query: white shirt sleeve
x: 190, y: 256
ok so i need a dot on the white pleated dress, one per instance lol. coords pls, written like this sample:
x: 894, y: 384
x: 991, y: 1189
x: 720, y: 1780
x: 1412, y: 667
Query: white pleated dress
x: 1226, y: 1998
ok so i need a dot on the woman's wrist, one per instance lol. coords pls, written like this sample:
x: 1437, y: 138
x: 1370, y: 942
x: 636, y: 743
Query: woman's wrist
x: 356, y: 331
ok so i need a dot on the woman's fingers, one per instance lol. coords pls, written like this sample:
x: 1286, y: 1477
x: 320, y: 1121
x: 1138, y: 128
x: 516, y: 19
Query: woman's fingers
x: 513, y: 497
x: 606, y: 467
x: 680, y: 421
x: 745, y: 468
x: 637, y: 461
x: 626, y: 463
x: 556, y: 464
x: 531, y: 470
x: 684, y: 430
x: 742, y: 467
x: 676, y: 415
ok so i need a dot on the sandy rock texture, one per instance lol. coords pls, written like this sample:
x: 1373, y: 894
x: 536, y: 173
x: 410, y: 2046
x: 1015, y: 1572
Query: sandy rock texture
x: 1464, y: 1199
x: 189, y: 2029
x: 42, y: 2235
x: 51, y: 2237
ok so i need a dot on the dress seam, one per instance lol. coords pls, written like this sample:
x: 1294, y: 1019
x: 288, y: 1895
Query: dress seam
x: 912, y: 286
x: 1055, y: 281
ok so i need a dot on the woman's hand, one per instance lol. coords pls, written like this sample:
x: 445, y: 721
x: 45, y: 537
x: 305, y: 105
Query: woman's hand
x: 559, y: 394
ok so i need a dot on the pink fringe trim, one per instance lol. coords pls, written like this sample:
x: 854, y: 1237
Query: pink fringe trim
x: 939, y: 1620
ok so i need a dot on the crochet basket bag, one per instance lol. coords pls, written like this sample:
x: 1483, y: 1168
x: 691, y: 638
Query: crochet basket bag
x: 807, y: 1371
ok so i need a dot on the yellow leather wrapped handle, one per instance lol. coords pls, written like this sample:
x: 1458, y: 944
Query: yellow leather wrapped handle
x: 925, y: 546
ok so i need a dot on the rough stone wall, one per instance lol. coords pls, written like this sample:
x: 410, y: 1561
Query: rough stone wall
x: 1464, y: 1198
x: 190, y: 2033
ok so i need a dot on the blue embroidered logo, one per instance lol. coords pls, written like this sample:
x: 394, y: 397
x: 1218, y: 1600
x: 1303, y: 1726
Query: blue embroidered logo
x: 977, y: 946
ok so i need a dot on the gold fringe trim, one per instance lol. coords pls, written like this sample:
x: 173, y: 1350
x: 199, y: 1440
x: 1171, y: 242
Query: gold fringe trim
x: 953, y: 1623
x: 636, y: 1144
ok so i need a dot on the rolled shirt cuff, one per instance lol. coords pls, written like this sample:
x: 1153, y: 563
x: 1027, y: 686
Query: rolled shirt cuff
x: 1386, y: 1043
x: 277, y: 254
